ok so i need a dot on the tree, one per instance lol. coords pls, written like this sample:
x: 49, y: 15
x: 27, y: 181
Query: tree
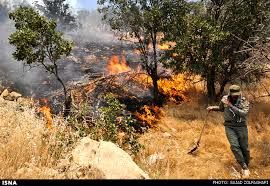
x: 59, y: 11
x: 216, y: 32
x: 144, y: 20
x: 37, y: 42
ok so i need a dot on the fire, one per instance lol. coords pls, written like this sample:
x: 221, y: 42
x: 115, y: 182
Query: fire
x: 149, y: 114
x: 164, y: 46
x: 144, y: 80
x: 167, y: 46
x: 117, y: 65
x: 174, y: 88
x: 46, y: 111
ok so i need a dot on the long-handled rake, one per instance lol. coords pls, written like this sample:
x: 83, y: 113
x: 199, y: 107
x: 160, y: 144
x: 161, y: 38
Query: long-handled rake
x: 196, y: 145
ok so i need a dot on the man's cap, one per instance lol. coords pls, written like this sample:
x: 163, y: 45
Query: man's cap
x: 234, y: 90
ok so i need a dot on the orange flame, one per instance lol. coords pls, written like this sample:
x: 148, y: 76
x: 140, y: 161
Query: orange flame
x: 174, y: 88
x: 149, y: 114
x: 167, y: 46
x: 164, y: 47
x: 46, y: 111
x: 117, y: 65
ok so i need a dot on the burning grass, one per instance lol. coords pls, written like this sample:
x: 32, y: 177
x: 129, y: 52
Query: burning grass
x: 166, y: 146
x: 117, y: 65
x: 149, y: 115
x: 132, y: 86
x: 175, y: 88
x: 46, y: 111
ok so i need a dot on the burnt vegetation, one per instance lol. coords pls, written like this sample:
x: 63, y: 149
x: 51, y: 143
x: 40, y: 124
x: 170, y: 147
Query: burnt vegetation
x: 115, y: 74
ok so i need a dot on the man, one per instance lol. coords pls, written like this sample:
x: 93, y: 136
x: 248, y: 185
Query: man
x: 235, y: 108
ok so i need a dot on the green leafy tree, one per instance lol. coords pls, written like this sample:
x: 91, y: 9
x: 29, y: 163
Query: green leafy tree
x: 144, y: 20
x: 216, y: 31
x: 59, y: 10
x: 37, y: 42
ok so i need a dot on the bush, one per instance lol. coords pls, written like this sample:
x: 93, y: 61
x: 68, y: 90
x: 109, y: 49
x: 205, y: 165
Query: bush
x: 108, y: 121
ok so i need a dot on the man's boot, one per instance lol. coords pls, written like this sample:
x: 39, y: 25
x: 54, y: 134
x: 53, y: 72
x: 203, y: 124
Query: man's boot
x: 245, y: 171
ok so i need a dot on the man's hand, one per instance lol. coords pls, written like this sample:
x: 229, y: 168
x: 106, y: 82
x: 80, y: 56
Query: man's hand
x: 210, y: 108
x: 226, y: 101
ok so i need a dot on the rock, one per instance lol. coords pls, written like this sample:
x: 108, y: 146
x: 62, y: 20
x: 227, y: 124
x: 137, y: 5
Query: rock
x: 5, y: 93
x: 74, y: 171
x: 15, y: 95
x: 20, y: 100
x: 1, y: 99
x: 25, y: 101
x: 9, y: 98
x: 109, y: 159
x: 152, y: 159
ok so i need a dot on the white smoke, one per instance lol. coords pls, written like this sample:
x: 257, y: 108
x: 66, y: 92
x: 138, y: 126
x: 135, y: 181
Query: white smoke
x: 11, y: 69
x: 73, y: 3
x: 92, y: 30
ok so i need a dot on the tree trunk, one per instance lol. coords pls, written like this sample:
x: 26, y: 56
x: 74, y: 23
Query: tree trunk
x: 67, y: 98
x: 154, y: 74
x: 211, y: 89
x: 155, y: 90
x: 222, y: 87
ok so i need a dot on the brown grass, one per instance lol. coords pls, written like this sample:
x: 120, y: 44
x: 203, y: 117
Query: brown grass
x: 31, y: 151
x: 214, y: 159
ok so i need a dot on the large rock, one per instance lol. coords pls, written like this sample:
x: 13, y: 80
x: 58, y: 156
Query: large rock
x: 112, y: 161
x: 10, y: 96
x: 15, y: 95
x: 5, y: 93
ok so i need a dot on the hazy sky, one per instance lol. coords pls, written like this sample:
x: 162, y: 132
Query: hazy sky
x: 78, y: 4
x: 87, y: 4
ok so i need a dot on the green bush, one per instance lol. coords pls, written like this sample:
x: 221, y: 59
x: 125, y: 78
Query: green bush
x: 109, y: 122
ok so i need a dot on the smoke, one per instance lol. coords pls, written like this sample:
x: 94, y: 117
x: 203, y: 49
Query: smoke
x: 92, y: 28
x: 13, y: 73
x: 32, y: 81
x: 10, y: 69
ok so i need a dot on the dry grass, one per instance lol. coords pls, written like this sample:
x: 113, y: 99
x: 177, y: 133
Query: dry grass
x: 214, y: 159
x: 30, y: 151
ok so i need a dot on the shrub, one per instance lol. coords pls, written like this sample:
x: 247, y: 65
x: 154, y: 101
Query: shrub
x: 108, y: 122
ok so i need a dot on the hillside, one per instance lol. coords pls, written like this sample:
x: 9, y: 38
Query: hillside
x: 165, y: 154
x: 30, y: 150
x: 85, y: 94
